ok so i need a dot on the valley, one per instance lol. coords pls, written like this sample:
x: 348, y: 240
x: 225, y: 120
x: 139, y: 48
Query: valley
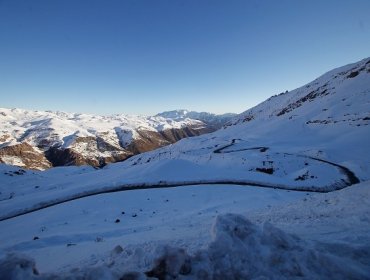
x: 281, y: 191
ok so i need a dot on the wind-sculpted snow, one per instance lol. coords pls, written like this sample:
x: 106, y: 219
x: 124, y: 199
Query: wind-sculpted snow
x: 239, y: 250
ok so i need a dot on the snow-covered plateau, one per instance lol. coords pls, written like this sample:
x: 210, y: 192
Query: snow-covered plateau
x: 281, y: 192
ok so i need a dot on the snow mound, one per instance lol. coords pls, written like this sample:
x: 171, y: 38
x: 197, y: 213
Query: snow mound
x: 239, y: 250
x: 242, y: 250
x: 18, y: 266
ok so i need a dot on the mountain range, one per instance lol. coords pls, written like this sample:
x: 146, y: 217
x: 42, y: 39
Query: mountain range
x: 42, y: 139
x: 281, y: 191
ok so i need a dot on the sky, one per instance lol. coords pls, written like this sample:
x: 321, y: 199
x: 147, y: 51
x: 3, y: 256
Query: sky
x: 145, y: 57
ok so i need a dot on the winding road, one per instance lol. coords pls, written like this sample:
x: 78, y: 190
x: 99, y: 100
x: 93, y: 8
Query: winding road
x: 350, y: 180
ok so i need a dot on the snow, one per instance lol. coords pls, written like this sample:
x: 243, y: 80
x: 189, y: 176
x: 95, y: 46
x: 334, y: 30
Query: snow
x: 11, y: 160
x: 209, y: 118
x: 80, y: 233
x: 213, y: 243
x: 271, y: 196
x: 61, y: 128
x: 91, y: 137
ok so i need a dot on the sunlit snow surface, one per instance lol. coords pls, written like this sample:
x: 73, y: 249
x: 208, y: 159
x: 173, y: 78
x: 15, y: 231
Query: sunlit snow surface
x: 293, y: 145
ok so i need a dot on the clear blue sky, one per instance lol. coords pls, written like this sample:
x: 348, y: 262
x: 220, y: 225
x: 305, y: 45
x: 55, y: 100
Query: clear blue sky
x: 144, y: 57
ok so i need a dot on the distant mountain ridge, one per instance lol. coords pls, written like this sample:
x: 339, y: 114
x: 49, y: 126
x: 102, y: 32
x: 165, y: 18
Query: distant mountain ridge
x: 213, y: 120
x: 42, y: 139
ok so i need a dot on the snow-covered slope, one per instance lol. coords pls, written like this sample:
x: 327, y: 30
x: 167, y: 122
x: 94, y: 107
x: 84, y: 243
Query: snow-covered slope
x: 339, y: 96
x: 58, y: 138
x: 131, y: 233
x: 299, y: 161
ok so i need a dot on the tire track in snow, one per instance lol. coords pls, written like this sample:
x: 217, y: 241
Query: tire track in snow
x: 160, y: 185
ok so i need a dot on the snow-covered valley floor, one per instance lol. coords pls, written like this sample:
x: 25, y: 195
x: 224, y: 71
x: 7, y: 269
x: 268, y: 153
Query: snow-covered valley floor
x: 83, y: 233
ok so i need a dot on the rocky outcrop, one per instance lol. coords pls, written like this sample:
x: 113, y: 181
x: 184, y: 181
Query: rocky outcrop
x: 61, y: 157
x: 147, y: 141
x: 150, y: 140
x: 174, y: 135
x: 24, y: 155
x: 66, y: 157
x: 90, y: 150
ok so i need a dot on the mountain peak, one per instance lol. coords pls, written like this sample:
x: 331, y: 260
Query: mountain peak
x: 174, y: 114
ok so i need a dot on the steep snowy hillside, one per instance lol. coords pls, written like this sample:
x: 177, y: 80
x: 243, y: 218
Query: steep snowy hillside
x: 339, y: 96
x: 294, y: 170
x: 39, y: 140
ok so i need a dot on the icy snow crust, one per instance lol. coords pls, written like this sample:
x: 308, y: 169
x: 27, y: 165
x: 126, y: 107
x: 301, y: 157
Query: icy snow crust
x: 267, y: 166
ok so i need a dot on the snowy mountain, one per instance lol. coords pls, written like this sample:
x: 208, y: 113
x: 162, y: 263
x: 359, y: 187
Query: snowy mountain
x: 39, y: 140
x: 212, y: 120
x: 339, y: 96
x: 282, y: 192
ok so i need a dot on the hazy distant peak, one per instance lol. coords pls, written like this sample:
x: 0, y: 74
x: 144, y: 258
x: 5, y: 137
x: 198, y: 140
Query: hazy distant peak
x: 217, y: 121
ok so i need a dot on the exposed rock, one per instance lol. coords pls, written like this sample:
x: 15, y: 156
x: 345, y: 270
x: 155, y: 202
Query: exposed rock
x: 147, y: 141
x: 321, y: 91
x: 68, y: 156
x: 4, y: 137
x: 150, y: 140
x: 24, y: 155
x: 61, y: 157
x: 174, y: 135
x: 95, y: 151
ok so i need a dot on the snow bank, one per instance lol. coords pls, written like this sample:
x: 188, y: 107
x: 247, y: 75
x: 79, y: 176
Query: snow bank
x: 17, y: 266
x: 239, y: 250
